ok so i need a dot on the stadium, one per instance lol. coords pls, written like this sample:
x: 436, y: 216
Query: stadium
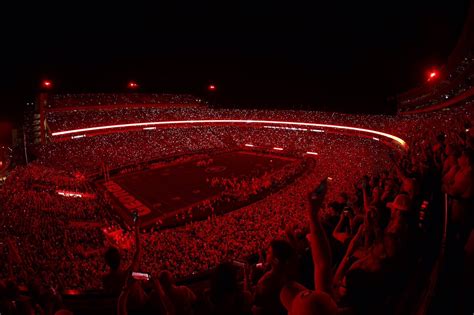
x: 160, y: 203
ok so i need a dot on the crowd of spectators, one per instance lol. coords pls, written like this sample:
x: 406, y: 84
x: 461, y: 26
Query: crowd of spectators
x: 45, y: 209
x: 405, y: 126
x: 360, y: 224
x: 360, y: 248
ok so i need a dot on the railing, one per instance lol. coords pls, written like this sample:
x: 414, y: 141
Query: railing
x: 433, y: 280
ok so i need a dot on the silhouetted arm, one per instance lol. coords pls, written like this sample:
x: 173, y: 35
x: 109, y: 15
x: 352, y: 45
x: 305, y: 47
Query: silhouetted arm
x: 320, y: 249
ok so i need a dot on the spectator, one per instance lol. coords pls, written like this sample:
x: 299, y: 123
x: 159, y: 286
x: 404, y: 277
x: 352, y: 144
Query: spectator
x: 296, y: 298
x: 225, y: 295
x: 181, y: 297
x: 114, y: 281
x: 461, y: 190
x: 281, y: 259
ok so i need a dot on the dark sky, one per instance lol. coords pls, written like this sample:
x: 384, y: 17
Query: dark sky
x: 333, y: 55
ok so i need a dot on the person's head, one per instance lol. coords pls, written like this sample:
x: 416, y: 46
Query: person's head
x: 389, y: 183
x: 374, y: 180
x: 298, y: 300
x: 224, y: 279
x: 441, y: 138
x: 342, y: 198
x: 280, y: 253
x: 467, y: 158
x: 360, y: 288
x: 376, y: 193
x: 166, y: 279
x: 113, y: 258
x: 332, y: 207
x: 12, y: 290
x: 300, y: 242
x: 452, y: 149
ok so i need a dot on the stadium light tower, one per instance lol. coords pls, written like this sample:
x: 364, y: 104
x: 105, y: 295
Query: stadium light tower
x: 132, y: 85
x: 46, y: 84
x: 211, y: 87
x: 433, y: 75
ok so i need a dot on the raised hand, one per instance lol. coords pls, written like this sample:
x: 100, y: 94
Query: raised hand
x: 316, y: 198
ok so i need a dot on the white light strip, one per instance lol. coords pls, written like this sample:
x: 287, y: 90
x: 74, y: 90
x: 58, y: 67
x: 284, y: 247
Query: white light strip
x: 149, y: 128
x: 312, y: 153
x: 278, y: 149
x: 317, y: 130
x: 69, y: 194
x: 214, y: 121
x: 77, y: 137
x: 286, y: 128
x: 249, y: 145
x: 376, y: 139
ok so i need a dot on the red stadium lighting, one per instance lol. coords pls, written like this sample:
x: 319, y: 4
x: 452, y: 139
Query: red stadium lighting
x: 211, y: 87
x: 132, y: 85
x: 47, y: 84
x: 433, y: 75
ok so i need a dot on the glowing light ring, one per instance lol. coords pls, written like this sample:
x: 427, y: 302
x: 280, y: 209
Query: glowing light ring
x: 247, y: 121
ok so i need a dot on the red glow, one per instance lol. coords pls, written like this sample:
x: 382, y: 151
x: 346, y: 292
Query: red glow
x: 132, y: 85
x: 211, y: 87
x: 47, y: 84
x: 433, y: 75
x: 230, y: 121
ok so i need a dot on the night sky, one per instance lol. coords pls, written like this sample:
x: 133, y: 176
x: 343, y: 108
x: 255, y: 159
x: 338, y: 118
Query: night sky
x: 325, y: 55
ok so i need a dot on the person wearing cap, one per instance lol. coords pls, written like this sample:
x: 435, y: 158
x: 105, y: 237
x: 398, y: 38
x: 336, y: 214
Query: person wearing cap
x: 399, y: 209
x: 401, y: 203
